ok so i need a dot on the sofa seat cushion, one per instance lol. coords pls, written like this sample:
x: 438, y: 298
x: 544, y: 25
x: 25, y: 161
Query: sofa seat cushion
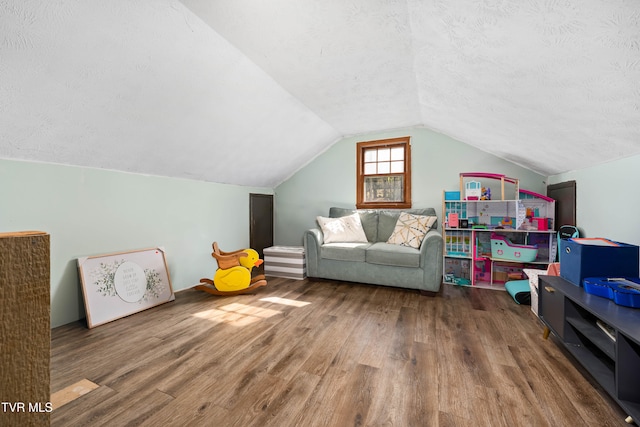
x: 344, y: 251
x: 389, y: 254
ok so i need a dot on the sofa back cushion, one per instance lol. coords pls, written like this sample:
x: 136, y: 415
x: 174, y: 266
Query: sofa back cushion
x: 411, y: 229
x: 387, y: 220
x: 343, y: 229
x: 378, y: 224
x: 368, y: 218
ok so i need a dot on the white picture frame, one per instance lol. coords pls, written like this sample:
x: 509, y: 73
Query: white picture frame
x: 123, y: 283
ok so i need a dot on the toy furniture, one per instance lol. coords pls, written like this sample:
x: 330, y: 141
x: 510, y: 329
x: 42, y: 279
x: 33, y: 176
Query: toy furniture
x: 472, y: 190
x: 502, y: 248
x: 233, y: 276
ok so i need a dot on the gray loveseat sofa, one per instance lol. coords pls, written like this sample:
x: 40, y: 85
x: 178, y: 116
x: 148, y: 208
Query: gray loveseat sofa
x: 377, y: 262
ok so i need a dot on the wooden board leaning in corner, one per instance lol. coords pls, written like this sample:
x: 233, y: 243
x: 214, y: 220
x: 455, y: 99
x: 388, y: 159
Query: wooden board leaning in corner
x: 25, y: 329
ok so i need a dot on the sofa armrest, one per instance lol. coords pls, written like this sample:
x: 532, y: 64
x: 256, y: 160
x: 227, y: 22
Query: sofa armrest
x: 431, y: 261
x: 431, y: 250
x: 316, y: 235
x: 313, y: 239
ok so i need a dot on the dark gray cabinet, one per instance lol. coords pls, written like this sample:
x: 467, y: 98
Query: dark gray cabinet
x: 603, y: 336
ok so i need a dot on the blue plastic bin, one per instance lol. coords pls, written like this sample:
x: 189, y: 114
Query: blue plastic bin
x: 580, y: 260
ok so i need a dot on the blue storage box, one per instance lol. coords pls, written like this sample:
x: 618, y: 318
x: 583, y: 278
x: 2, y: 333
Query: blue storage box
x: 597, y: 258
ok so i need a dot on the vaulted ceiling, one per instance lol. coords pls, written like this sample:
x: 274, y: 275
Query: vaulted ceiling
x: 247, y: 91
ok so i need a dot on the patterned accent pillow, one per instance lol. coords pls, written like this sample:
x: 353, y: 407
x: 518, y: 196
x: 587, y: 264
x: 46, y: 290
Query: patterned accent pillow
x: 411, y: 229
x: 343, y: 229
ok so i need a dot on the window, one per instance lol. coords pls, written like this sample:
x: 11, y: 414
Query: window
x: 384, y: 174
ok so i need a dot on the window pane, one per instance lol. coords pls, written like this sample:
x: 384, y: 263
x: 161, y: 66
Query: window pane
x: 384, y: 189
x: 384, y: 154
x: 384, y: 167
x: 397, y: 153
x: 369, y: 168
x: 370, y: 155
x: 397, y: 167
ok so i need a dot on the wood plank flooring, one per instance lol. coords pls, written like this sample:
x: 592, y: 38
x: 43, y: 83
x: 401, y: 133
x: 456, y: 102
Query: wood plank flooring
x: 324, y: 353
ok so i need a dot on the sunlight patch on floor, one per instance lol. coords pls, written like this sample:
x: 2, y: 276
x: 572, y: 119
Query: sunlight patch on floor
x: 237, y: 314
x: 285, y: 301
x: 249, y: 310
x: 213, y: 315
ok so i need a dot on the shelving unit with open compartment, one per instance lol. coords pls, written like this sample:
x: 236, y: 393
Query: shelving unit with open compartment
x: 468, y: 257
x: 600, y: 334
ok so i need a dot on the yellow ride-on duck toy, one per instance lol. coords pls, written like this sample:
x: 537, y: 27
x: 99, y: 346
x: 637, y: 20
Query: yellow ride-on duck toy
x: 233, y: 276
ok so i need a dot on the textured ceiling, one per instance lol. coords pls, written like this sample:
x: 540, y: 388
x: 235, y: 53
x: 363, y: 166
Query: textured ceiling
x: 248, y: 91
x: 553, y: 85
x: 144, y: 86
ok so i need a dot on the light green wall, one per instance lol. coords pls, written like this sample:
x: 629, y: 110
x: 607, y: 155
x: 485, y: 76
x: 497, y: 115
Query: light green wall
x: 607, y: 200
x: 91, y: 212
x: 330, y: 179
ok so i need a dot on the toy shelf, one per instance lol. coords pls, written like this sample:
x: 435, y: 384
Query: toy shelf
x: 525, y: 222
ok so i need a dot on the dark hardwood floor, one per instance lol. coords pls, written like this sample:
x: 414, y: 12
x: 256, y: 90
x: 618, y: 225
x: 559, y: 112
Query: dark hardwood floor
x: 306, y: 353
